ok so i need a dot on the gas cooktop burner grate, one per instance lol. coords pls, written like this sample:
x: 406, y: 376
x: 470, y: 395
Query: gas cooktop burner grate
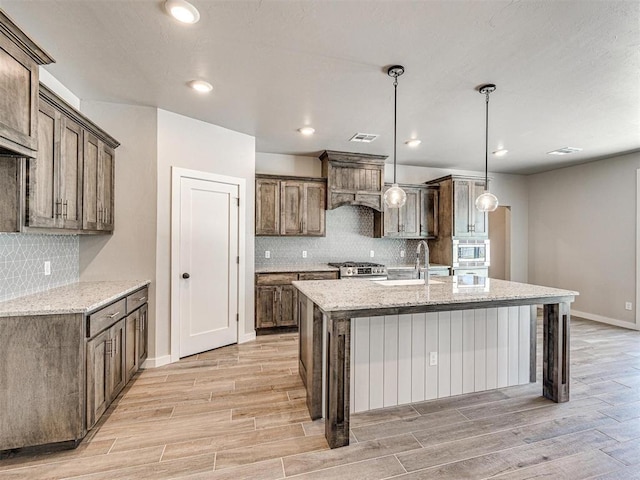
x: 361, y: 269
x: 356, y: 264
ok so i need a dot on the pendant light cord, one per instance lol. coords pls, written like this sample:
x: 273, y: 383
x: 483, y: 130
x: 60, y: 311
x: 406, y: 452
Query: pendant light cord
x: 395, y: 116
x: 486, y: 146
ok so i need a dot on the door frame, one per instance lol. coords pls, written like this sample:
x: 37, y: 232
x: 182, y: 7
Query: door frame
x: 177, y: 174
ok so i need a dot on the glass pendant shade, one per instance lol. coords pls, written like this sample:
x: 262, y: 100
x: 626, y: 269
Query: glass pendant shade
x: 395, y: 197
x: 487, y: 202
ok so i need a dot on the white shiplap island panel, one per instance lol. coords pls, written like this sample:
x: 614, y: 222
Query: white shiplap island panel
x: 390, y: 355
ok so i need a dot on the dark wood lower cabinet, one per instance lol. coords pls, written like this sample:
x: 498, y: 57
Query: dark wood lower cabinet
x: 277, y: 300
x: 59, y: 373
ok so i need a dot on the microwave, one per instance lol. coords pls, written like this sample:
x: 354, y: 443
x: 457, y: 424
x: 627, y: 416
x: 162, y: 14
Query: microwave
x: 471, y: 253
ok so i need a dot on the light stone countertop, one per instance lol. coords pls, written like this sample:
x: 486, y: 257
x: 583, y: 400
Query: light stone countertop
x: 81, y: 297
x: 299, y: 267
x: 358, y: 294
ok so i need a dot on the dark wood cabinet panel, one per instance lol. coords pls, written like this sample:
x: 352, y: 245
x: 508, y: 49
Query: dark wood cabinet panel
x: 266, y: 306
x: 132, y: 343
x: 290, y: 206
x: 415, y: 219
x: 468, y: 221
x: 19, y: 61
x: 98, y: 355
x: 117, y: 378
x: 288, y: 305
x: 70, y: 174
x: 143, y: 334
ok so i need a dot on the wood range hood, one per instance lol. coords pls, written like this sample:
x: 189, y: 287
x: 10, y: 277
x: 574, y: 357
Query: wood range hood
x: 353, y: 179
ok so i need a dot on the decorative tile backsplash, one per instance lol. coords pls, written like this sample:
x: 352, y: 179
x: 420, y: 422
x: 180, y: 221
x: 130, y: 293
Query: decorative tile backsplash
x: 349, y: 238
x: 22, y: 258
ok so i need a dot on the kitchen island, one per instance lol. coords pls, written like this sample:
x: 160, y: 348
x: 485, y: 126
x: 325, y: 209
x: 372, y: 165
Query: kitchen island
x: 414, y: 341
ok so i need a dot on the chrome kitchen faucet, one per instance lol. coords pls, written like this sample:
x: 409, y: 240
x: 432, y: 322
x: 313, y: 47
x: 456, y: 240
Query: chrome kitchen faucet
x: 426, y: 261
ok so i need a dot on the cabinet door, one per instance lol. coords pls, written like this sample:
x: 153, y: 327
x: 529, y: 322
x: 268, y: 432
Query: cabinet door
x: 410, y: 214
x: 291, y: 208
x: 42, y: 192
x: 91, y: 153
x: 429, y: 213
x: 392, y: 223
x: 69, y: 171
x: 288, y: 306
x: 143, y: 334
x: 480, y: 225
x: 117, y: 377
x: 19, y: 98
x: 266, y: 299
x: 131, y: 340
x: 267, y: 207
x: 98, y: 359
x: 314, y: 208
x: 462, y: 212
x: 105, y: 188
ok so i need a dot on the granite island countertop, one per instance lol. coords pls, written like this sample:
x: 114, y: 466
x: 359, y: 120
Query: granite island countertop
x: 81, y: 297
x: 358, y: 294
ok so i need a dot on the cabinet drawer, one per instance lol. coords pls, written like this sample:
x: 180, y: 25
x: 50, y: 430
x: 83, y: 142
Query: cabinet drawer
x: 318, y: 276
x: 137, y: 299
x: 276, y: 278
x: 105, y: 317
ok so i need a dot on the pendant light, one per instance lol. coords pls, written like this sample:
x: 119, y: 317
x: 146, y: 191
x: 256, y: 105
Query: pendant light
x: 395, y: 197
x: 487, y: 201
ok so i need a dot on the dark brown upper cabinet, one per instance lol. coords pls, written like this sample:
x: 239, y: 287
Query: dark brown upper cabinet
x: 19, y: 60
x: 290, y: 206
x: 417, y: 218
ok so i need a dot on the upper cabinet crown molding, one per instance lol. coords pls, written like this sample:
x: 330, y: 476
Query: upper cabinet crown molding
x: 49, y: 96
x: 9, y: 29
x: 20, y: 58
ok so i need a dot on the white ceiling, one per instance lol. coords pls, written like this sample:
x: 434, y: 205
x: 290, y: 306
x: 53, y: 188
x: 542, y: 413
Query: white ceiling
x: 567, y: 72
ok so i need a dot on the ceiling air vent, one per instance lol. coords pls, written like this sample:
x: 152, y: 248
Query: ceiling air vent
x: 565, y: 151
x: 364, y: 137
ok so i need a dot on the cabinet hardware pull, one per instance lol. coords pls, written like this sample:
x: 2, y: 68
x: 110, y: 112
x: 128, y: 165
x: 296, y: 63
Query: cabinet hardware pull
x: 114, y: 315
x: 107, y: 347
x: 56, y: 210
x: 64, y: 209
x: 99, y: 214
x: 142, y: 299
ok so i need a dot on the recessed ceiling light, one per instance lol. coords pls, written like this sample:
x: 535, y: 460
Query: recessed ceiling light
x: 501, y: 153
x: 182, y: 11
x: 414, y: 142
x: 363, y: 137
x: 307, y: 130
x: 201, y: 86
x: 565, y: 151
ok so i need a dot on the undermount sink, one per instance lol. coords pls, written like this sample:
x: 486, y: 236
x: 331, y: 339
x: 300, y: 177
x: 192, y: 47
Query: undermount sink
x: 399, y: 283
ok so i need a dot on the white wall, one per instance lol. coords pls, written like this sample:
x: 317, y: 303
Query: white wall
x: 511, y: 191
x: 188, y: 143
x: 58, y: 88
x: 128, y: 254
x: 582, y: 235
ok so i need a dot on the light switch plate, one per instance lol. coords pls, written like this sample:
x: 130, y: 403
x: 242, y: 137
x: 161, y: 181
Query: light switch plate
x: 433, y: 358
x: 628, y: 306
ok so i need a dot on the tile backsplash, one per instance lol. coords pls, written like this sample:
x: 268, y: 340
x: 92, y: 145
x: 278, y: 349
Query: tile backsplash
x: 22, y: 258
x: 349, y: 238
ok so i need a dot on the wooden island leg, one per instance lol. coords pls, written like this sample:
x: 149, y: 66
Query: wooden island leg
x: 555, y: 361
x: 338, y: 373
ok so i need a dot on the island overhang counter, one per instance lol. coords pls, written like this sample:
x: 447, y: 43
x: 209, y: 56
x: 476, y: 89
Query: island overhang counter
x: 331, y: 312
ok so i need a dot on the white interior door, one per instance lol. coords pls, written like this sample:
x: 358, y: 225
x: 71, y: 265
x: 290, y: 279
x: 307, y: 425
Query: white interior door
x: 208, y: 268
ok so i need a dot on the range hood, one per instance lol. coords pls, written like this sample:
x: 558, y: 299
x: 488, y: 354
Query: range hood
x: 353, y: 179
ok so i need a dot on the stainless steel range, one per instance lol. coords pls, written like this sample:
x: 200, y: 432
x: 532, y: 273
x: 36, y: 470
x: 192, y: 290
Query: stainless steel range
x: 366, y: 270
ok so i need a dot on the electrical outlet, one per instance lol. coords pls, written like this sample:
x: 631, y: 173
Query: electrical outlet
x: 401, y: 253
x: 371, y: 253
x: 628, y: 306
x: 267, y: 254
x: 433, y: 358
x: 47, y: 267
x: 304, y: 254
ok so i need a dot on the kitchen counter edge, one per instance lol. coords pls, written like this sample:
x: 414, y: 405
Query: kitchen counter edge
x: 80, y: 297
x: 313, y: 267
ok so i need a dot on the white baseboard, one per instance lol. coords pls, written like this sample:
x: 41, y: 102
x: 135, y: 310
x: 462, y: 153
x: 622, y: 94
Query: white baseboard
x: 157, y: 361
x: 607, y: 320
x: 247, y: 337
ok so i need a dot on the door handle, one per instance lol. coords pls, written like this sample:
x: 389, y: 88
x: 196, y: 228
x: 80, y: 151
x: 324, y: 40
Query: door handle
x: 185, y: 275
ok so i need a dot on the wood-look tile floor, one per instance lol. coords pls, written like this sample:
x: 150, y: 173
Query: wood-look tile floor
x: 239, y: 413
